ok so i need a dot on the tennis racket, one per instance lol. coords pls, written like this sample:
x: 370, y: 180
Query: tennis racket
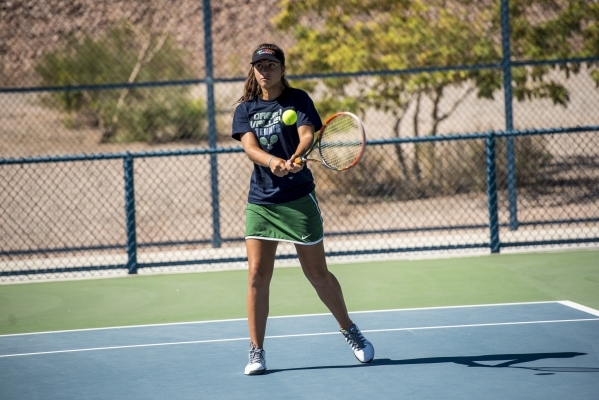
x: 340, y: 142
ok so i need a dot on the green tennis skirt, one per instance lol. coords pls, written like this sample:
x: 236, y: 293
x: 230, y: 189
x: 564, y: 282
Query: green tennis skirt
x: 298, y: 221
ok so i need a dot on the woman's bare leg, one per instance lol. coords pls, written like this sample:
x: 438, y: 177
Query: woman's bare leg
x: 314, y: 265
x: 261, y: 262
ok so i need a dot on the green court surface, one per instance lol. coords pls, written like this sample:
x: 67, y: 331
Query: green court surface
x: 380, y: 285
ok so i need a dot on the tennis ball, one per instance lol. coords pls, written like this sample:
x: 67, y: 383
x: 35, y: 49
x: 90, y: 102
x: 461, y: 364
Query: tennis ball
x: 289, y: 117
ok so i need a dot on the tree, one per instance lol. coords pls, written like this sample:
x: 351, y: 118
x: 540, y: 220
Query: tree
x: 130, y: 114
x: 382, y: 35
x: 395, y: 35
x: 546, y: 30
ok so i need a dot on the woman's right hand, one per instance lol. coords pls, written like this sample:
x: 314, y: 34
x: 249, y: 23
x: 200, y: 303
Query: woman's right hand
x: 292, y: 166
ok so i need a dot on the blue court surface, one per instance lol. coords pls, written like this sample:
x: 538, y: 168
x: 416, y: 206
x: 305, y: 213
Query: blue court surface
x: 547, y: 350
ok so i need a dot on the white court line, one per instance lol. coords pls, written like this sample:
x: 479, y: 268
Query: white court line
x: 287, y: 316
x: 580, y: 307
x: 296, y: 335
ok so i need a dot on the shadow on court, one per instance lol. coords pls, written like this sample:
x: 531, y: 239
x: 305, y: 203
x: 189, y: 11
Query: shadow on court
x: 509, y: 361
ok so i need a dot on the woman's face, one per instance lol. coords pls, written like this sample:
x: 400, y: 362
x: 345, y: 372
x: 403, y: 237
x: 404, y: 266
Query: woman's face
x: 268, y: 73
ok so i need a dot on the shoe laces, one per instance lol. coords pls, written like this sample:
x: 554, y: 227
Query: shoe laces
x: 256, y: 355
x: 354, y: 337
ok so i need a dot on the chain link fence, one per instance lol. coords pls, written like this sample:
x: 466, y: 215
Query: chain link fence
x: 116, y: 156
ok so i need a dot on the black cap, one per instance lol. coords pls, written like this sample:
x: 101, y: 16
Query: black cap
x: 268, y: 54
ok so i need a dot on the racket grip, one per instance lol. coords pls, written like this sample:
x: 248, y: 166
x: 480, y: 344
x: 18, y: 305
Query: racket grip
x: 299, y: 160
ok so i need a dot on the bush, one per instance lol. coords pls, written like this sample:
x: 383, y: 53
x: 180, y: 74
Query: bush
x: 444, y: 169
x: 124, y: 115
x: 162, y: 117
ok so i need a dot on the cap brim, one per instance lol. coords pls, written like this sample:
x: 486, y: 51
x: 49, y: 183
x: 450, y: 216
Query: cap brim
x: 261, y: 57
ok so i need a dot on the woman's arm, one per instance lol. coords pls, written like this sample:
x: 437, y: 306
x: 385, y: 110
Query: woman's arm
x: 306, y: 136
x: 258, y: 156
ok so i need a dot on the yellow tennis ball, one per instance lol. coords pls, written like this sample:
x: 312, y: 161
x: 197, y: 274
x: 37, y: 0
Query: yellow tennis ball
x: 289, y: 117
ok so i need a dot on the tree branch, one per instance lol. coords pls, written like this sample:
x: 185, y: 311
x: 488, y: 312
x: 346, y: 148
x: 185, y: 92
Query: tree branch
x: 438, y: 95
x: 143, y: 59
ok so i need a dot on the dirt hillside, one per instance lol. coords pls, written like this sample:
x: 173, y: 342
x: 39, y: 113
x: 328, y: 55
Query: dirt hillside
x: 29, y: 28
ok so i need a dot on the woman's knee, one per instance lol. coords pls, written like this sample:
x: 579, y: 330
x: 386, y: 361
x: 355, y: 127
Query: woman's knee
x: 319, y: 278
x: 259, y: 277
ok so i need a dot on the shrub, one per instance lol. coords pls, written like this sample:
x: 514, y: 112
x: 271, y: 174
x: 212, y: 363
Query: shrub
x: 445, y: 169
x: 124, y: 115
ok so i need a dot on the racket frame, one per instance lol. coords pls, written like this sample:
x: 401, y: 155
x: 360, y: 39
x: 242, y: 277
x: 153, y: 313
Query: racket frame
x: 318, y: 137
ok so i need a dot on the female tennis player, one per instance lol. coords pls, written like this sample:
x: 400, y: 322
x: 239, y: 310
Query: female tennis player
x: 282, y: 203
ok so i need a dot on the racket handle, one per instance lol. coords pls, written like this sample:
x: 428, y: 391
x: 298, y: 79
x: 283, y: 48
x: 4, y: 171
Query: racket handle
x: 299, y: 160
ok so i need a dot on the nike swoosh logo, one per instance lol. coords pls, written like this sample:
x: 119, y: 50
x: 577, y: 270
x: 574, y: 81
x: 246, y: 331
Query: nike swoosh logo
x: 306, y: 237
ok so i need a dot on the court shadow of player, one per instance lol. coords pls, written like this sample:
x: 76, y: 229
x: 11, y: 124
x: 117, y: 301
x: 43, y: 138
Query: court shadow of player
x: 484, y: 361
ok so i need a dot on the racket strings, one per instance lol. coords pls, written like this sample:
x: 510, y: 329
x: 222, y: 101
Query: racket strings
x: 342, y: 142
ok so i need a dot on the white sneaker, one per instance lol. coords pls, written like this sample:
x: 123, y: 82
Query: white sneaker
x: 257, y: 361
x: 363, y: 349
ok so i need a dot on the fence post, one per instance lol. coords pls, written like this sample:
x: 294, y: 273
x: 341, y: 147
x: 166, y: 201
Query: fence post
x: 216, y: 238
x: 492, y: 192
x: 130, y: 215
x: 509, y: 115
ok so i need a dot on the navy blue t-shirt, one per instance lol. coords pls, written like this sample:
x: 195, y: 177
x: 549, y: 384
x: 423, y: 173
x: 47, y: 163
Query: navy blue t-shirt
x: 263, y: 119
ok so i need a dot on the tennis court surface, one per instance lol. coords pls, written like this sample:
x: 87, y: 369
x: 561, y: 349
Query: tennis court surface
x: 541, y: 350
